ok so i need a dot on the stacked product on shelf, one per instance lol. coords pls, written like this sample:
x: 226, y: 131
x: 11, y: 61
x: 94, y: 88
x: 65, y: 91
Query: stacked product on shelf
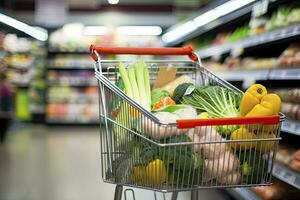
x: 291, y: 107
x: 282, y: 17
x: 24, y: 68
x: 289, y: 58
x: 71, y: 78
x: 70, y: 61
x: 72, y: 105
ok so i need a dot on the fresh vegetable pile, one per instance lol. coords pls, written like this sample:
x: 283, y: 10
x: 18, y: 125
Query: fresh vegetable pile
x: 189, y: 163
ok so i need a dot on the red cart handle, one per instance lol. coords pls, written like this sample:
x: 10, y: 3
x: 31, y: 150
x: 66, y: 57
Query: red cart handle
x: 192, y: 123
x: 188, y: 50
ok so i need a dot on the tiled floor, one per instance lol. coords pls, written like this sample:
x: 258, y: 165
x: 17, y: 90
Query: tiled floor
x: 59, y: 163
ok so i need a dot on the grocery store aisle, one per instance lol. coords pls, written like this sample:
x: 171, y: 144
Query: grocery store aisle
x: 50, y: 163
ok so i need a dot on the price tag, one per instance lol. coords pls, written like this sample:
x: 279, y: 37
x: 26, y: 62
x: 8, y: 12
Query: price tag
x: 260, y: 8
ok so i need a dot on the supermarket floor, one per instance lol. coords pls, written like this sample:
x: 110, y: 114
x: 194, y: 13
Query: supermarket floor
x: 59, y: 163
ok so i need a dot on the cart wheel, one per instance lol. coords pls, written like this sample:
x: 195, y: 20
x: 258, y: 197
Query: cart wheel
x: 194, y: 195
x: 118, y: 192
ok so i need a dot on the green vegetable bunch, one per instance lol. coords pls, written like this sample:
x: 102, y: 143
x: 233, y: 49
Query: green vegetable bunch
x: 183, y: 165
x: 254, y: 168
x: 135, y: 83
x: 218, y: 102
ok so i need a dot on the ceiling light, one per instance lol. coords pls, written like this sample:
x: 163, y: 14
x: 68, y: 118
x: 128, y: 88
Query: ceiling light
x: 95, y: 30
x: 206, y: 17
x: 113, y: 1
x: 139, y: 30
x: 37, y: 33
x: 231, y: 6
x: 179, y: 32
x: 203, y: 19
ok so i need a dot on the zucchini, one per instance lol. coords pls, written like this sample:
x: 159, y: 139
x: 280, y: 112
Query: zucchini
x: 181, y: 90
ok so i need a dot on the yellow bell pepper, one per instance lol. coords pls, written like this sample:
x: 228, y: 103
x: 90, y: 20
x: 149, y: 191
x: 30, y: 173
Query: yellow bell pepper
x: 243, y: 134
x: 257, y: 103
x: 156, y: 172
x: 275, y: 100
x: 139, y: 174
x: 266, y: 146
x: 251, y: 98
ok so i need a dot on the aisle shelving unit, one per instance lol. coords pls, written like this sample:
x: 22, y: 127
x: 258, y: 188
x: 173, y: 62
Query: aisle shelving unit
x: 284, y: 33
x: 74, y: 84
x: 260, y: 74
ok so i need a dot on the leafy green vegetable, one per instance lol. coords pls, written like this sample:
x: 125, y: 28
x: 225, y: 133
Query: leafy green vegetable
x: 181, y: 90
x: 157, y: 94
x: 253, y: 167
x: 171, y: 108
x: 184, y: 166
x: 218, y: 102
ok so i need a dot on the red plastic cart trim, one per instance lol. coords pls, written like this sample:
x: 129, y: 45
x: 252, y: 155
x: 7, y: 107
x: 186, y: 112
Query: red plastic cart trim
x: 188, y: 50
x: 192, y: 123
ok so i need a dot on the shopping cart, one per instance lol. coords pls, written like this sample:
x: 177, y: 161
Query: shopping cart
x: 132, y: 157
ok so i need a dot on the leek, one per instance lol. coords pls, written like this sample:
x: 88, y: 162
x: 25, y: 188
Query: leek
x: 139, y: 73
x: 147, y: 83
x: 132, y: 79
x: 124, y: 76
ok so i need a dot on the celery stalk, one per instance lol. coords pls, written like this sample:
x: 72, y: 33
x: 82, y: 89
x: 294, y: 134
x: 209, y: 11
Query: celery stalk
x: 132, y: 79
x: 124, y: 75
x: 139, y: 72
x: 147, y: 83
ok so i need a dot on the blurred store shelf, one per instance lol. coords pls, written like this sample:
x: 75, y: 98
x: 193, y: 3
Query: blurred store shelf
x: 71, y: 67
x: 71, y: 122
x: 67, y: 52
x: 260, y: 74
x: 265, y: 38
x: 286, y: 175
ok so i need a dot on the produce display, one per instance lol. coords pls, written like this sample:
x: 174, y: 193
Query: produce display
x: 289, y: 58
x: 22, y: 59
x: 282, y: 17
x: 291, y: 102
x: 70, y: 105
x: 218, y: 162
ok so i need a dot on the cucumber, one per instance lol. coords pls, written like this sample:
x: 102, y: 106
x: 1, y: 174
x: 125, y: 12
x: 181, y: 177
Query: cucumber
x: 181, y: 90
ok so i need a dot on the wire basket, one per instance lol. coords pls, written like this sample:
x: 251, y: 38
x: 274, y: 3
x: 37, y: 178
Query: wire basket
x: 138, y: 150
